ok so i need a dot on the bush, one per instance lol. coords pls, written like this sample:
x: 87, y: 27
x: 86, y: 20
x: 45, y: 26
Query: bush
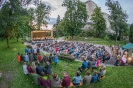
x: 106, y: 38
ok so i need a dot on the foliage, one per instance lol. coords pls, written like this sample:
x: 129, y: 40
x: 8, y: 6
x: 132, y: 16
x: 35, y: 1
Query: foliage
x: 118, y: 18
x: 99, y: 24
x: 58, y: 27
x: 10, y: 16
x: 87, y: 33
x: 75, y: 17
x: 131, y: 33
x: 42, y: 14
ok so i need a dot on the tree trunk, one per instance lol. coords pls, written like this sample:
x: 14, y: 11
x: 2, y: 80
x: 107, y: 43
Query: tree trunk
x: 116, y: 39
x: 7, y: 41
x: 17, y: 39
x: 7, y: 37
x: 120, y: 35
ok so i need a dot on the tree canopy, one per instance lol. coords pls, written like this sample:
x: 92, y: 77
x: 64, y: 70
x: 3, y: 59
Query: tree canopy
x: 75, y: 17
x: 131, y: 33
x: 99, y: 23
x: 118, y: 17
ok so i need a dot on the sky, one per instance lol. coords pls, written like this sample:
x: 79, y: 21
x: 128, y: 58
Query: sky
x: 57, y: 9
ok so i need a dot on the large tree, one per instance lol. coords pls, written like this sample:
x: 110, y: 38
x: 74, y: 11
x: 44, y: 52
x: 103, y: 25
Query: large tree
x: 9, y: 16
x: 118, y: 17
x: 42, y: 14
x: 75, y: 16
x: 131, y: 33
x: 99, y: 23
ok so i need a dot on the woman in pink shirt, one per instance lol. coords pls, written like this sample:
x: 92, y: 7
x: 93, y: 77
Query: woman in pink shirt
x: 98, y: 62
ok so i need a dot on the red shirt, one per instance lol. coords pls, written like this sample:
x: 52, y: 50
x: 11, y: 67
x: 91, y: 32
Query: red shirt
x: 40, y: 57
x: 66, y: 81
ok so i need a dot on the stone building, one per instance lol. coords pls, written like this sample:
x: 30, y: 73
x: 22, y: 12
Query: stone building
x: 90, y: 6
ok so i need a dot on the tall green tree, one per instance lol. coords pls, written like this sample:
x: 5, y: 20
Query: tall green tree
x: 118, y: 17
x: 99, y: 22
x: 42, y: 14
x: 131, y: 33
x: 9, y: 15
x: 75, y: 16
x: 57, y: 27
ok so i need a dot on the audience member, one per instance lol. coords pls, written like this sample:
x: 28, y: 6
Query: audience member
x: 25, y: 68
x: 56, y: 82
x: 19, y: 57
x: 87, y: 78
x: 84, y: 65
x: 43, y: 81
x: 94, y: 77
x: 77, y: 79
x: 48, y: 68
x: 66, y: 80
x: 39, y: 69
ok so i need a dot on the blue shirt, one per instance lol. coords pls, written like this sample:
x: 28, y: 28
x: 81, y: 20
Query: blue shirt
x: 26, y: 58
x: 84, y: 65
x: 77, y: 79
x: 94, y: 78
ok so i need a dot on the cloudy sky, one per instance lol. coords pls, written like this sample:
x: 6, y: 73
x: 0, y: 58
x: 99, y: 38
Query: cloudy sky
x: 57, y: 9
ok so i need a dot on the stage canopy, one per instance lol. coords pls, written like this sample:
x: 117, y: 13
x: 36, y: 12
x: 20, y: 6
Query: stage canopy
x: 41, y: 34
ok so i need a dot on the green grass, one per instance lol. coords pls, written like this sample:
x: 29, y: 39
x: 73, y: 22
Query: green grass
x: 98, y: 41
x: 116, y: 77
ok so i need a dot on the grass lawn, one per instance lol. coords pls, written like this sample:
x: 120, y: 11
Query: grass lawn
x: 13, y: 77
x: 98, y: 41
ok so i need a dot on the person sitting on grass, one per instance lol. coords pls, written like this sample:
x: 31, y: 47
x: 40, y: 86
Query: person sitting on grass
x: 84, y: 65
x: 98, y: 62
x: 25, y: 68
x: 26, y: 57
x: 19, y: 57
x: 33, y: 67
x: 44, y: 81
x: 87, y: 78
x: 56, y: 60
x: 45, y: 59
x: 66, y: 80
x: 77, y: 79
x: 104, y: 71
x: 55, y: 81
x: 39, y: 57
x: 29, y: 68
x: 94, y: 77
x: 48, y: 69
x: 100, y: 74
x: 39, y: 69
x: 22, y: 57
x: 34, y: 78
x: 50, y: 58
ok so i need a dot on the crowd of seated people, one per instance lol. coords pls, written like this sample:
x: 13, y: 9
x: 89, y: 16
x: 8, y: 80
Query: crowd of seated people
x: 78, y: 50
x: 40, y: 76
x: 40, y: 72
